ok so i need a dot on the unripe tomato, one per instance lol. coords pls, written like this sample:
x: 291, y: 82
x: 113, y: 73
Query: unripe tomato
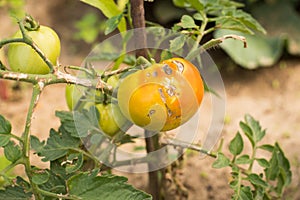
x: 163, y: 96
x: 111, y: 119
x: 22, y: 58
x: 73, y: 95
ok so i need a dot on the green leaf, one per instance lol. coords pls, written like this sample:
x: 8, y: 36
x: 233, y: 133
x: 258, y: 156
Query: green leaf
x: 252, y: 130
x: 4, y: 140
x: 90, y: 186
x: 243, y: 194
x: 12, y: 152
x: 187, y: 22
x: 165, y: 55
x: 236, y: 145
x: 284, y: 24
x: 248, y: 132
x: 221, y: 161
x: 5, y: 126
x: 74, y: 162
x: 273, y: 171
x: 112, y: 23
x: 181, y: 3
x: 267, y: 147
x: 58, y: 145
x: 244, y: 159
x: 110, y: 9
x: 89, y: 27
x: 263, y: 162
x: 257, y: 180
x: 40, y: 176
x: 198, y: 16
x: 86, y: 121
x: 197, y: 5
x: 56, y: 183
x: 258, y: 133
x: 35, y: 143
x: 261, y: 51
x: 177, y: 43
x: 15, y: 193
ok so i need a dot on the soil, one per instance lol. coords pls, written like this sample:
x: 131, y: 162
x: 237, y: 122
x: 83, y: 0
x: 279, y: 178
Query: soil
x: 271, y: 95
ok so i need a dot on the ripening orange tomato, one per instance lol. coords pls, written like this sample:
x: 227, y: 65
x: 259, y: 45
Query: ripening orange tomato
x: 163, y: 96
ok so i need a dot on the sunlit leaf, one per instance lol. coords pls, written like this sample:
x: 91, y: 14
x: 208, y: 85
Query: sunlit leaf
x: 236, y: 145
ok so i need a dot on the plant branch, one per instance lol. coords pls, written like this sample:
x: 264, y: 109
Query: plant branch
x: 37, y: 89
x: 49, y: 79
x: 185, y: 145
x: 220, y: 40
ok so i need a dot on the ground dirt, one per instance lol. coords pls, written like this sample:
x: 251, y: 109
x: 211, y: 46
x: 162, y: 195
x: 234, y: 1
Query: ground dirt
x: 271, y: 95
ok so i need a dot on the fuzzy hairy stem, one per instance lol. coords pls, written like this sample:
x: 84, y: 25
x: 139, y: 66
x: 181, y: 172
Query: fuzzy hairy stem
x: 37, y: 89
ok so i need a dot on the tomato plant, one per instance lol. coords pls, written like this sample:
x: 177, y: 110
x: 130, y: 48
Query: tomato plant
x: 22, y: 58
x: 168, y: 95
x: 157, y: 97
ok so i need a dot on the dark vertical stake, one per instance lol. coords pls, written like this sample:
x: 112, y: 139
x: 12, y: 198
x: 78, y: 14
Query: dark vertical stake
x: 138, y: 20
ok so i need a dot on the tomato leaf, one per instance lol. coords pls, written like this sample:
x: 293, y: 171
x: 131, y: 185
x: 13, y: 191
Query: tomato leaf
x: 15, y: 192
x: 257, y: 180
x: 284, y: 24
x: 4, y: 140
x: 90, y: 186
x: 244, y: 193
x: 5, y: 125
x: 112, y: 23
x: 221, y: 161
x: 244, y: 159
x: 12, y: 151
x: 263, y: 162
x: 74, y: 162
x: 236, y: 145
x: 110, y: 9
x: 177, y: 43
x: 187, y: 22
x: 58, y: 145
x: 261, y: 51
x: 40, y: 176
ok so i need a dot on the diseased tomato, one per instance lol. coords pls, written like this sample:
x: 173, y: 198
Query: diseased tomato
x: 22, y: 58
x: 163, y: 96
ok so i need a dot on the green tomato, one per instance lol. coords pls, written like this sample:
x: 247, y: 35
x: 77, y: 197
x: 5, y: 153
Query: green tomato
x: 113, y: 81
x: 72, y: 96
x: 22, y: 58
x: 111, y: 118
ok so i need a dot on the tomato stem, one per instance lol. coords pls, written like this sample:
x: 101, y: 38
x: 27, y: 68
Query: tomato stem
x: 37, y: 89
x: 30, y: 24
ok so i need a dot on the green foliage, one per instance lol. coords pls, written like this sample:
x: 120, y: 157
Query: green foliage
x: 88, y: 186
x: 261, y: 50
x: 277, y: 173
x: 76, y: 172
x: 111, y: 10
x: 14, y: 7
x: 66, y: 175
x: 89, y: 27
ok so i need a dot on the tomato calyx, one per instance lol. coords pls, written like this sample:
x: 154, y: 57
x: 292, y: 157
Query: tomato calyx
x: 30, y: 24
